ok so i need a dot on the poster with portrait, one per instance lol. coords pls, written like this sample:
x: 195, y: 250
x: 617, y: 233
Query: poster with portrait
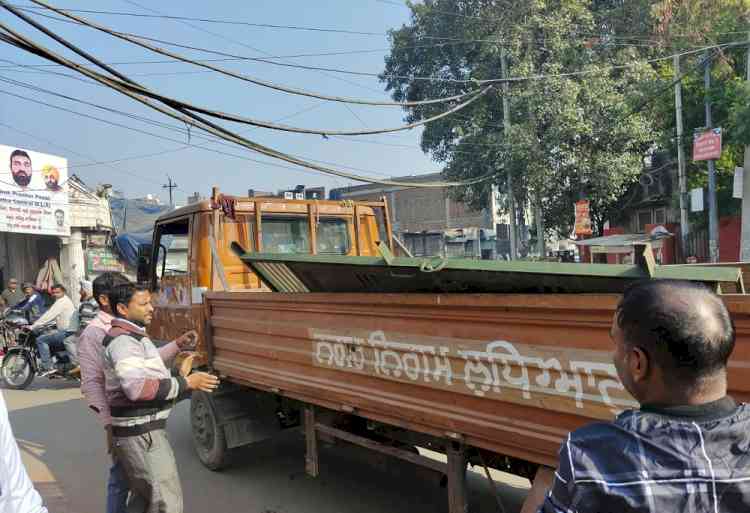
x: 33, y: 192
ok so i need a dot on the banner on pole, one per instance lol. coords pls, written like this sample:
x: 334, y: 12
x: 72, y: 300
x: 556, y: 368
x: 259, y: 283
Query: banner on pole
x: 583, y: 218
x: 707, y: 145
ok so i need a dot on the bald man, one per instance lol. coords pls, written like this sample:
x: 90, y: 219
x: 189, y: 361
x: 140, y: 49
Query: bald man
x: 688, y: 446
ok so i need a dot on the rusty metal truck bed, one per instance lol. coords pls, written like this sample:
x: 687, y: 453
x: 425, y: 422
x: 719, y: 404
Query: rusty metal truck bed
x: 512, y: 374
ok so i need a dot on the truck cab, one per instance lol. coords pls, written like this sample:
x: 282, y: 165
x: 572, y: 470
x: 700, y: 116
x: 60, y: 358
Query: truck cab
x: 192, y: 249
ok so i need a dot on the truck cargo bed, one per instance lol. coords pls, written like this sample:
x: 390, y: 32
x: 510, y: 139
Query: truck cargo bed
x: 512, y: 374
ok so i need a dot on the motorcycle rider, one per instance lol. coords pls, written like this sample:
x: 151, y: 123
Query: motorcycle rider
x: 60, y: 312
x: 33, y: 305
x: 87, y: 310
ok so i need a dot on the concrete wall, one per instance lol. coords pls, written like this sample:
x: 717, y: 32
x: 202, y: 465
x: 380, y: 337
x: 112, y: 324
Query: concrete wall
x: 417, y: 210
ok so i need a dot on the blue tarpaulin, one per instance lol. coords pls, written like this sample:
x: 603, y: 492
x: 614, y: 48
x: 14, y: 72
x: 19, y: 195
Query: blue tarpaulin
x: 127, y: 246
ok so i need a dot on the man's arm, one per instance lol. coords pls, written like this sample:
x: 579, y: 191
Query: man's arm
x: 48, y: 316
x: 169, y: 351
x: 130, y: 362
x: 92, y: 372
x: 561, y: 496
x: 17, y: 493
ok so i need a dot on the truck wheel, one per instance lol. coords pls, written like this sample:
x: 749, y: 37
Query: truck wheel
x: 208, y: 436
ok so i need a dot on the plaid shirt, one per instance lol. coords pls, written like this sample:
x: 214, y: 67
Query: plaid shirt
x: 688, y: 459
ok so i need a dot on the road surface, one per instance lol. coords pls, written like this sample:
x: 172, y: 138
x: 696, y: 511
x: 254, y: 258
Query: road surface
x: 63, y: 449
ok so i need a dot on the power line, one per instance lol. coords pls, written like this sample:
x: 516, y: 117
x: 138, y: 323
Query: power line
x: 213, y: 21
x: 182, y: 114
x: 134, y: 40
x: 184, y: 145
x: 242, y: 76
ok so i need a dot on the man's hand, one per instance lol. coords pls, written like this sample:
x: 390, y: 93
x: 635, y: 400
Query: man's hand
x: 202, y: 381
x: 187, y: 340
x: 110, y: 441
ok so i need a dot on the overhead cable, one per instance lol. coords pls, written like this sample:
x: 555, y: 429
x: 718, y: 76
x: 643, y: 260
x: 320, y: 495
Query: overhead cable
x: 192, y: 119
x: 241, y: 76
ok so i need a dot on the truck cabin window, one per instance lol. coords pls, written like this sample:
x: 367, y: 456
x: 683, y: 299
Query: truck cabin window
x: 292, y: 235
x: 172, y: 256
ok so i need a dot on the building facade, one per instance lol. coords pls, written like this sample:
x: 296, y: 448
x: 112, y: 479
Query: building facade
x: 428, y: 221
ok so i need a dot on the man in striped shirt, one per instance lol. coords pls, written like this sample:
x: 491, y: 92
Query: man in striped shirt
x: 91, y: 360
x: 688, y: 446
x: 141, y: 393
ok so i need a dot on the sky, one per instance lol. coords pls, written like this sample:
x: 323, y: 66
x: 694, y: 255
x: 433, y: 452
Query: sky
x: 146, y: 160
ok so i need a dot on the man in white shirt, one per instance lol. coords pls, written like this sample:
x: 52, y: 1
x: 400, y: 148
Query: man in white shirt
x: 60, y: 312
x: 17, y: 493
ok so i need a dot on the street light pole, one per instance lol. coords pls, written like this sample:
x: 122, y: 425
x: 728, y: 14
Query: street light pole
x: 745, y: 244
x: 509, y: 174
x: 684, y: 227
x: 713, y: 215
x: 170, y: 185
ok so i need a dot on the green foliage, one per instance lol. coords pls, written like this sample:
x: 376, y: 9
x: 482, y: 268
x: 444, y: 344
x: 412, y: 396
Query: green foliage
x: 578, y: 135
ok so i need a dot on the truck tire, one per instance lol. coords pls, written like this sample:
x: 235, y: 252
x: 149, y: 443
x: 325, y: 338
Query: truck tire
x: 209, y: 439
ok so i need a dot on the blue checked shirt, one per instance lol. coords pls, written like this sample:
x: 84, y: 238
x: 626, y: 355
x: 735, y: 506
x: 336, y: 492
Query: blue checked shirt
x: 686, y: 459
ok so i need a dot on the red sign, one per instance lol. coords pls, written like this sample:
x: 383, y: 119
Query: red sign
x: 583, y: 218
x: 707, y: 145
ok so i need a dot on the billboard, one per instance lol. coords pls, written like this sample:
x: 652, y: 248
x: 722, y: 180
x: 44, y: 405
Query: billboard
x: 33, y: 192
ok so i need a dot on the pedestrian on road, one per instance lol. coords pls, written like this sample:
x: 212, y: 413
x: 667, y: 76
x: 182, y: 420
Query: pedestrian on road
x: 91, y: 360
x: 12, y: 295
x: 17, y: 493
x: 141, y: 393
x: 60, y: 313
x: 688, y: 446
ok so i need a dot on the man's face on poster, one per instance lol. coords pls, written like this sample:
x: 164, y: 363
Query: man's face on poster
x: 20, y: 168
x: 50, y: 181
x: 60, y: 218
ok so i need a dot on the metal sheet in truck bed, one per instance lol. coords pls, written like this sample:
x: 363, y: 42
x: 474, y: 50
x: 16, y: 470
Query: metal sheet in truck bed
x: 321, y: 273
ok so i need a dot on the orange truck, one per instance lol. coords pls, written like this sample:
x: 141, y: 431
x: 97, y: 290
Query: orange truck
x: 311, y: 321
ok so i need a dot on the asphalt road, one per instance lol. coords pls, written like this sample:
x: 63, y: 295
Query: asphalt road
x: 62, y: 443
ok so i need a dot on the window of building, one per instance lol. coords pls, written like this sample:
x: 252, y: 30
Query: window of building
x: 660, y: 216
x: 643, y: 218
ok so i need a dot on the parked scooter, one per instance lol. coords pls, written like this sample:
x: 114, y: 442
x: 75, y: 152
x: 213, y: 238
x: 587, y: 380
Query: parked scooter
x: 22, y: 361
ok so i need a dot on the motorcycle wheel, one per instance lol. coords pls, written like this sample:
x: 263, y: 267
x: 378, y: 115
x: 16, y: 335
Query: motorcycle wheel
x: 17, y: 371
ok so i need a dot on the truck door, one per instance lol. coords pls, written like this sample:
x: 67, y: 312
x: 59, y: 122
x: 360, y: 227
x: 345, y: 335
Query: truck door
x: 172, y: 280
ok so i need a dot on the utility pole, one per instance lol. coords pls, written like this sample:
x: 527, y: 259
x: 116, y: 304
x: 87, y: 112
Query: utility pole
x: 745, y: 244
x: 506, y: 130
x: 684, y: 227
x: 713, y: 215
x: 170, y: 185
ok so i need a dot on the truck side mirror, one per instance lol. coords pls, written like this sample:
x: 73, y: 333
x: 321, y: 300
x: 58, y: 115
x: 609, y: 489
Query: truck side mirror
x: 144, y: 263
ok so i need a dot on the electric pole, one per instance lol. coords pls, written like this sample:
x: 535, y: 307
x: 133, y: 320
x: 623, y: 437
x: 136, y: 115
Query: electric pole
x: 684, y: 227
x: 745, y: 239
x: 713, y: 215
x: 170, y: 185
x: 509, y: 174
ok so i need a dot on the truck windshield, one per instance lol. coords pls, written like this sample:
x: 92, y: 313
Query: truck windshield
x: 292, y: 235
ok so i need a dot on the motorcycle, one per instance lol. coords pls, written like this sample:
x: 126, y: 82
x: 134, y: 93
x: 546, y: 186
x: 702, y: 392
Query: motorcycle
x: 9, y: 322
x: 22, y: 361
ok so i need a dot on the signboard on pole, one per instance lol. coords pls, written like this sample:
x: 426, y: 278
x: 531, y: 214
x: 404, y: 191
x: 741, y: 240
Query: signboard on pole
x: 707, y: 145
x: 583, y: 218
x: 737, y: 185
x: 696, y: 200
x: 33, y: 192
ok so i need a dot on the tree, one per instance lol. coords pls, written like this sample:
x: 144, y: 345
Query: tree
x: 573, y: 136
